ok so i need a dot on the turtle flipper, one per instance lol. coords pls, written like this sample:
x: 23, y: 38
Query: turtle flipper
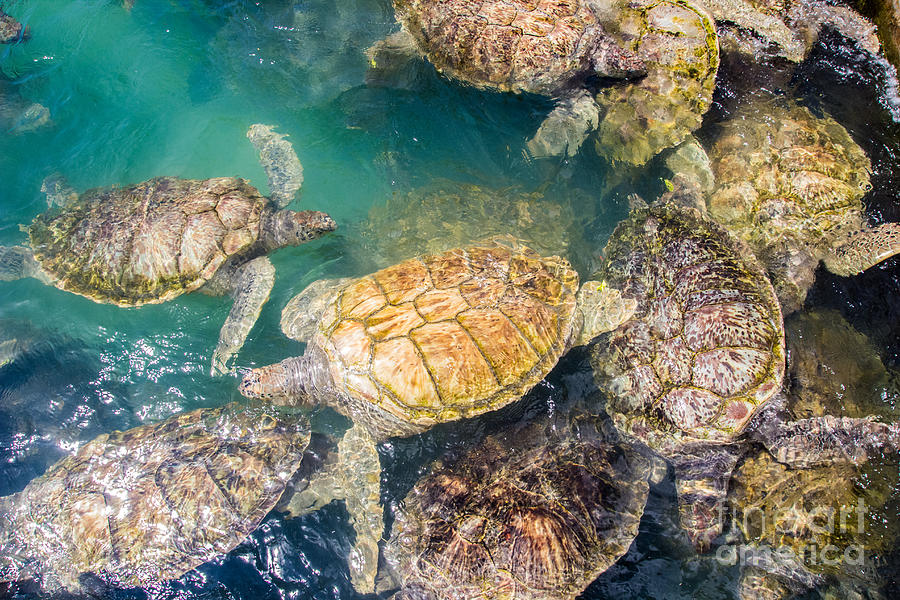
x: 603, y: 309
x: 355, y: 478
x: 566, y: 127
x: 17, y: 262
x: 250, y: 285
x: 277, y: 157
x: 864, y: 249
x: 826, y: 440
x: 394, y: 61
x: 701, y: 481
x: 58, y: 191
x: 300, y: 316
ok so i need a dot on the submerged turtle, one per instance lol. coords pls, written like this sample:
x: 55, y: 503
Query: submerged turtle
x: 537, y: 513
x: 446, y: 214
x: 18, y: 115
x: 801, y: 526
x: 146, y: 505
x: 549, y: 48
x: 791, y: 184
x: 10, y: 29
x: 429, y: 340
x: 677, y: 41
x: 153, y: 241
x: 702, y: 355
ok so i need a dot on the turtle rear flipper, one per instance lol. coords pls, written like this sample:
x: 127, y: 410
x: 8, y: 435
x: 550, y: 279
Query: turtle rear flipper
x: 300, y: 316
x: 355, y: 478
x: 278, y: 158
x: 826, y: 440
x: 566, y: 127
x: 864, y: 249
x: 701, y: 481
x: 250, y: 286
x: 603, y: 309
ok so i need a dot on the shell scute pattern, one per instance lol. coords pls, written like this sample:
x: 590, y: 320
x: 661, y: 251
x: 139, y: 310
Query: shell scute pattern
x: 706, y: 345
x: 511, y: 45
x: 451, y: 335
x: 149, y: 242
x: 148, y: 504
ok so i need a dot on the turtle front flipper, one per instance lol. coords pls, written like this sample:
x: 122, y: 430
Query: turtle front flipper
x: 394, y: 61
x: 278, y: 159
x: 864, y: 249
x: 701, y: 481
x: 826, y: 440
x: 355, y: 478
x: 250, y: 286
x: 17, y: 262
x: 300, y: 316
x: 566, y: 127
x: 603, y: 309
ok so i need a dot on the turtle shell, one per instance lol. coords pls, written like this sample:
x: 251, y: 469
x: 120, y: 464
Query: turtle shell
x: 788, y: 183
x: 529, y: 515
x: 149, y: 242
x: 451, y: 335
x: 677, y: 41
x: 509, y: 45
x: 148, y: 504
x: 705, y: 348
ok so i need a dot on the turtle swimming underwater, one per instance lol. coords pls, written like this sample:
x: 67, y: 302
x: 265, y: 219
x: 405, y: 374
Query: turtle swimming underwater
x: 538, y: 513
x: 10, y: 29
x: 429, y: 340
x: 790, y: 184
x: 146, y: 505
x: 548, y: 48
x: 153, y: 241
x: 702, y: 355
x: 804, y: 527
x: 445, y: 214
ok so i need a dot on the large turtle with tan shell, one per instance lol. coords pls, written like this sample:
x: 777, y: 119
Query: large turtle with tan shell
x: 153, y: 241
x: 696, y: 369
x: 139, y: 507
x: 430, y: 340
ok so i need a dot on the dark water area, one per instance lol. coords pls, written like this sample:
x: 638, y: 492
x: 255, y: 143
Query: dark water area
x: 169, y: 87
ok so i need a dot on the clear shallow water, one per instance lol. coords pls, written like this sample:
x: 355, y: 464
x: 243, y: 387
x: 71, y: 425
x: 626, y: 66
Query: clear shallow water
x: 169, y: 88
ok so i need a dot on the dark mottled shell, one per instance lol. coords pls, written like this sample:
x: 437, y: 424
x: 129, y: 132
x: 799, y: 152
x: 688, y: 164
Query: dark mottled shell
x: 705, y: 348
x: 148, y: 504
x: 451, y: 335
x: 512, y: 45
x: 149, y: 242
x: 528, y: 516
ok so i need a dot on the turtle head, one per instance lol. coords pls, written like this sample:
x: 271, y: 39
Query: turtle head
x: 603, y: 309
x: 291, y: 228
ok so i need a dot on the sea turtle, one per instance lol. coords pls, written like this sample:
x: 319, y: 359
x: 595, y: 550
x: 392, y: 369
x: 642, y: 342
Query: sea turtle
x: 153, y: 241
x: 800, y: 527
x: 146, y: 505
x: 536, y: 512
x: 429, y: 340
x: 444, y: 214
x: 18, y: 115
x: 10, y: 29
x: 550, y: 47
x: 703, y: 354
x: 677, y: 41
x: 791, y: 184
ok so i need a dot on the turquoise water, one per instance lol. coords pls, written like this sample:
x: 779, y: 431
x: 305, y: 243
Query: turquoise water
x: 169, y: 88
